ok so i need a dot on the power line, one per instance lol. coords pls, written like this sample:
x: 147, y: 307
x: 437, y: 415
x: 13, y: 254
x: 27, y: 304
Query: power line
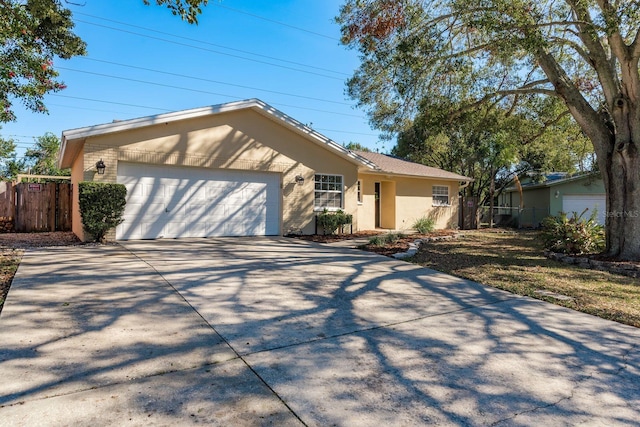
x: 213, y: 81
x: 211, y: 50
x: 276, y: 22
x: 205, y: 43
x: 198, y: 91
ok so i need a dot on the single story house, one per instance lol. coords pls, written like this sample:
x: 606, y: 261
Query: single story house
x: 243, y: 169
x: 557, y: 194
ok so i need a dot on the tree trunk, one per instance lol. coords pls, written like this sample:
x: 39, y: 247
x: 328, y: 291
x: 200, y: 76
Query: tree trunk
x: 492, y: 192
x: 621, y: 176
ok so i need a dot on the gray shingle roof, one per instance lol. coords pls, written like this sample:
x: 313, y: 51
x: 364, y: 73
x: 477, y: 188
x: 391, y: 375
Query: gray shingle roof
x: 393, y: 165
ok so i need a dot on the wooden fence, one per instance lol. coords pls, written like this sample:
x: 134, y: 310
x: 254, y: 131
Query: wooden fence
x: 31, y: 207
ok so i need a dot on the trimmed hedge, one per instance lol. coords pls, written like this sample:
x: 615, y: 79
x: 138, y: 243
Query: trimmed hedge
x: 101, y: 206
x: 331, y: 221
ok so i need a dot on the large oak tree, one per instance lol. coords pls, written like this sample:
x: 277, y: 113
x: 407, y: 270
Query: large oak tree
x: 584, y: 52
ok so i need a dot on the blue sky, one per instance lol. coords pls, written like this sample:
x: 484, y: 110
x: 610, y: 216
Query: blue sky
x: 143, y: 61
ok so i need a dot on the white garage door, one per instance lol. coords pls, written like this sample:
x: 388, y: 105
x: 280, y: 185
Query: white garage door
x: 578, y: 203
x: 173, y: 201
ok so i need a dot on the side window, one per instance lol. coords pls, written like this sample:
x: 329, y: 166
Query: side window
x: 440, y: 195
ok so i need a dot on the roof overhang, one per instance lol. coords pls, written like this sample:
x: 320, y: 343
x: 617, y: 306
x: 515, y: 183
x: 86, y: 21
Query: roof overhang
x: 400, y: 175
x: 73, y: 140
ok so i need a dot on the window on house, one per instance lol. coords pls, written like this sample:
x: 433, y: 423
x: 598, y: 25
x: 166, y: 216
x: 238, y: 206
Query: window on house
x: 440, y: 195
x: 359, y: 191
x: 328, y: 191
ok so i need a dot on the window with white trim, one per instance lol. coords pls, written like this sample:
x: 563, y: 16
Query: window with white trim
x: 440, y: 195
x: 328, y: 192
x: 359, y: 191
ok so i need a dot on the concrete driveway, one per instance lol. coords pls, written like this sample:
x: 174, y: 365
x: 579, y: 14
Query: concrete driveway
x: 281, y: 332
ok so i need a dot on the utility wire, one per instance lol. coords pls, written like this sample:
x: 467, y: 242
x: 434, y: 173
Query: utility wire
x: 276, y: 22
x: 212, y: 51
x: 196, y: 90
x: 212, y: 81
x: 207, y: 43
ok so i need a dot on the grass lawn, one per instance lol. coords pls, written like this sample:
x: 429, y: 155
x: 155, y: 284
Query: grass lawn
x: 513, y: 261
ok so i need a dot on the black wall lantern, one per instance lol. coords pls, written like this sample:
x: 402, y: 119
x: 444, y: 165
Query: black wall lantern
x: 100, y: 166
x: 299, y: 179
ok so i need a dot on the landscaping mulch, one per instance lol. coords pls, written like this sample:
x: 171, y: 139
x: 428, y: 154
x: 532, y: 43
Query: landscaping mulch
x: 330, y: 238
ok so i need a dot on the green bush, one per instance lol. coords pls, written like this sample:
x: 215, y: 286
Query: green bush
x: 385, y: 239
x: 573, y: 235
x: 101, y: 206
x: 331, y: 221
x: 424, y: 225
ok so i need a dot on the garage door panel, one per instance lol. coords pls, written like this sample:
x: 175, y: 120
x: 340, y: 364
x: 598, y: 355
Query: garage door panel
x: 137, y: 207
x: 177, y: 201
x: 578, y: 203
x: 175, y: 230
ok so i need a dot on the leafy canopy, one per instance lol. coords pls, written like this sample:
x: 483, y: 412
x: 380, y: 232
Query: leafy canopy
x: 33, y: 34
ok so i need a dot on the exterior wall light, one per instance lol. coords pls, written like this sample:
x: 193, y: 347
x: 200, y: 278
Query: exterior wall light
x: 100, y: 166
x: 299, y: 179
x: 557, y: 193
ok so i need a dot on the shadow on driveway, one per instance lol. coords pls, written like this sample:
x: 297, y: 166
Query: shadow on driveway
x: 284, y: 332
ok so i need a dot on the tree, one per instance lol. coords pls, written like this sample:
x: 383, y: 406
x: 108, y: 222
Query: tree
x: 33, y: 34
x: 188, y: 10
x: 41, y: 160
x: 7, y: 158
x: 584, y: 52
x: 356, y: 146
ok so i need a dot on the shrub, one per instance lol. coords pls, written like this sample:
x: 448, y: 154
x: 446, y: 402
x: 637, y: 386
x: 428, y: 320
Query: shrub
x: 101, y: 206
x: 573, y: 235
x: 424, y: 225
x: 385, y: 239
x: 331, y: 221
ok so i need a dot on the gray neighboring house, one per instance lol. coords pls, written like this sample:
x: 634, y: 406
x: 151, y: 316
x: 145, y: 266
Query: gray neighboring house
x: 557, y: 194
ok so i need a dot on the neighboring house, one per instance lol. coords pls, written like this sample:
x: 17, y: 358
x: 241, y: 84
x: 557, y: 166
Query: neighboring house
x: 557, y: 194
x: 245, y: 168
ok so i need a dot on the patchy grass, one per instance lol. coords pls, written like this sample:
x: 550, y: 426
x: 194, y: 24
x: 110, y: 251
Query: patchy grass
x: 513, y: 261
x: 9, y: 261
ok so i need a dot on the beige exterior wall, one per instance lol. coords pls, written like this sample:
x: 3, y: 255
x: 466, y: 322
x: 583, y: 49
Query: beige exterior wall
x: 240, y: 140
x: 77, y: 175
x: 403, y: 200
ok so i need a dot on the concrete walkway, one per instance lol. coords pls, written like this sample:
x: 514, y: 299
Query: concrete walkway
x: 283, y: 332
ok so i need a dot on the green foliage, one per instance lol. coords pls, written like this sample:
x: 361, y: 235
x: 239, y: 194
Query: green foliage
x: 573, y: 235
x: 188, y: 10
x: 32, y: 34
x: 101, y: 206
x: 42, y: 159
x: 331, y: 221
x: 356, y: 146
x: 424, y: 225
x: 386, y: 239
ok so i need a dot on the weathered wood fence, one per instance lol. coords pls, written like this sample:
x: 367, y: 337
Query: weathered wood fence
x: 31, y: 207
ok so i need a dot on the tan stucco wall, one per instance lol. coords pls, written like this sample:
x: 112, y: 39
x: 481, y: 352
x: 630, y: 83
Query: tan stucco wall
x: 413, y: 200
x: 241, y: 140
x: 77, y: 175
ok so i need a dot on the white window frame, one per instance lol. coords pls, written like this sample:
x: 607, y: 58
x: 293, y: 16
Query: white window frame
x: 440, y: 195
x: 334, y: 185
x: 359, y: 191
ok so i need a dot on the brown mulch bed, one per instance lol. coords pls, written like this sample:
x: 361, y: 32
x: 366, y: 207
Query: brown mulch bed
x: 12, y: 247
x: 330, y: 238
